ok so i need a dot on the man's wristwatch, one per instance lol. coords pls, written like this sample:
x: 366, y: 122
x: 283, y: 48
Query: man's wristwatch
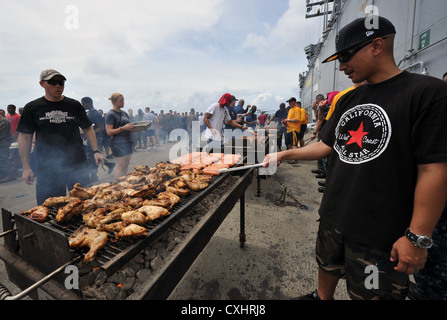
x: 422, y: 242
x: 96, y: 151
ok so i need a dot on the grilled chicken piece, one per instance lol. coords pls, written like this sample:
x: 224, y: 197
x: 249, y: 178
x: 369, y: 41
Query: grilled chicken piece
x: 134, y: 202
x: 178, y: 191
x: 167, y: 174
x: 177, y: 186
x: 197, y: 185
x: 86, y: 237
x: 143, y: 169
x: 81, y: 193
x: 134, y: 217
x: 164, y: 199
x: 146, y: 192
x: 168, y: 166
x: 132, y: 230
x: 100, y: 187
x: 39, y: 213
x: 118, y: 205
x: 114, y: 215
x: 113, y: 227
x: 153, y: 212
x: 108, y: 196
x: 178, y: 182
x: 69, y: 211
x: 93, y: 219
x: 189, y: 176
x: 58, y: 201
x: 170, y: 197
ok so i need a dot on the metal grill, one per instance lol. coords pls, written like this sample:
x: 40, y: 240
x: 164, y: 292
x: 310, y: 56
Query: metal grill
x: 116, y: 253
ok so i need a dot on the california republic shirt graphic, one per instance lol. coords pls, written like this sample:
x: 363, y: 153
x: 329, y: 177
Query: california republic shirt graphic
x: 362, y: 134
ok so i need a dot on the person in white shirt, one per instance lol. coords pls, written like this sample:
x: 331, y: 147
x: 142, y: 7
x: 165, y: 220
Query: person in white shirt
x: 215, y: 117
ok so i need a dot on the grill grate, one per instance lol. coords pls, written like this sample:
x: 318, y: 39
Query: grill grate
x: 116, y: 253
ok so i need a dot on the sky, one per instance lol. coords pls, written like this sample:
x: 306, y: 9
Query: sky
x: 170, y: 54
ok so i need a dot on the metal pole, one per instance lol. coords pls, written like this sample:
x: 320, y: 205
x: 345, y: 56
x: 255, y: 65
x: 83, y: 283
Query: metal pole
x: 242, y: 236
x: 42, y: 282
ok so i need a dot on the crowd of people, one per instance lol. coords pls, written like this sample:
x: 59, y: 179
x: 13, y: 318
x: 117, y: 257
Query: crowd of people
x: 114, y: 136
x: 113, y: 131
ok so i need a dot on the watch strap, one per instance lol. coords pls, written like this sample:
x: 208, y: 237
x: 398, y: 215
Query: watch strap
x: 419, y: 240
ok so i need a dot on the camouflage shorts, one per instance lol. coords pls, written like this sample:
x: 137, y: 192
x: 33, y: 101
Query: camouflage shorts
x: 350, y: 260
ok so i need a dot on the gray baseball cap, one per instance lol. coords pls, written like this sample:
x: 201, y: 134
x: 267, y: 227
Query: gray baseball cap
x: 48, y: 74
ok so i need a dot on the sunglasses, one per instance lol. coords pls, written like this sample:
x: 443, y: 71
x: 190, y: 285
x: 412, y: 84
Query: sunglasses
x: 56, y: 82
x: 348, y: 55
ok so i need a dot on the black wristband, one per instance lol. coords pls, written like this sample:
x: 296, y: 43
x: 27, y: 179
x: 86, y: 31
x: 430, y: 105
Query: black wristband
x: 96, y: 151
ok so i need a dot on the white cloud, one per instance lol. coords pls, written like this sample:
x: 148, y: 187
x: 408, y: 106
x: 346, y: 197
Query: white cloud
x: 288, y: 38
x: 161, y: 54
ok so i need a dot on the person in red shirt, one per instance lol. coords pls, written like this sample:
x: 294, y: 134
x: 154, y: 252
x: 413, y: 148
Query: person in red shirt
x: 262, y: 118
x: 14, y: 119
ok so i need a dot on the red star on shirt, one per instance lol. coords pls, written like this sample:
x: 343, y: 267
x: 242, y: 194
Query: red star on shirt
x: 357, y: 136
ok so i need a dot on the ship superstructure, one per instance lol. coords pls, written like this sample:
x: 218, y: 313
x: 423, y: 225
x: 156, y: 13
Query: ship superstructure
x: 420, y: 45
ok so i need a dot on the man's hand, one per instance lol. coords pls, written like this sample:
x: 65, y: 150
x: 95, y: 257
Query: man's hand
x: 410, y: 258
x: 272, y: 158
x: 28, y: 176
x: 98, y: 158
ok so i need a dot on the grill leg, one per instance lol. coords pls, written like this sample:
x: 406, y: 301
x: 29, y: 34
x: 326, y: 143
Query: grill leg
x: 242, y: 220
x: 258, y: 181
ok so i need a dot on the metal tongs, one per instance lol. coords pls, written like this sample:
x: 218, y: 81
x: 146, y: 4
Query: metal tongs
x: 225, y: 170
x: 103, y: 166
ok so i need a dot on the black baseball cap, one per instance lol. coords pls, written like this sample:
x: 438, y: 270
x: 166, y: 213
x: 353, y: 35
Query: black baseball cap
x: 360, y: 31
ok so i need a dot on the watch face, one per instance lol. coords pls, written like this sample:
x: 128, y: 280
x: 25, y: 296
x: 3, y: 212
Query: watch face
x: 425, y: 243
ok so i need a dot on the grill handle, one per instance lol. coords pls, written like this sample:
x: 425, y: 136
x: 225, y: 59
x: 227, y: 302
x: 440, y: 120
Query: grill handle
x: 4, y: 234
x: 39, y: 283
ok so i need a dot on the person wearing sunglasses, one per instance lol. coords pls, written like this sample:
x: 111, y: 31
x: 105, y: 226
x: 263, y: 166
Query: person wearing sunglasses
x: 386, y: 183
x: 55, y: 120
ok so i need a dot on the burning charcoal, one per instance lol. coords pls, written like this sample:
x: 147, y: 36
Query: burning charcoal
x: 143, y: 274
x: 150, y: 254
x: 117, y: 277
x: 171, y: 246
x: 163, y: 253
x: 136, y: 265
x: 156, y: 263
x: 91, y: 293
x: 128, y: 272
x: 178, y: 239
x: 128, y: 284
x: 100, y: 278
x: 110, y: 290
x: 190, y: 221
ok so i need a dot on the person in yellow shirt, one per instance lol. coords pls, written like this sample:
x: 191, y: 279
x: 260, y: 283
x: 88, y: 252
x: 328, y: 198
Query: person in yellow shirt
x: 293, y: 124
x: 304, y: 119
x: 338, y: 96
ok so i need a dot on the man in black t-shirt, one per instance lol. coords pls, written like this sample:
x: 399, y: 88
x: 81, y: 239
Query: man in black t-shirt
x: 386, y: 186
x: 98, y: 126
x: 55, y: 120
x: 279, y: 116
